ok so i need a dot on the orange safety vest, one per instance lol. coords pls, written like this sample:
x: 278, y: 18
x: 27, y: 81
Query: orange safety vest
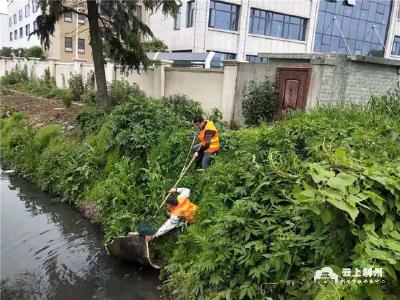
x: 184, y: 209
x: 214, y: 144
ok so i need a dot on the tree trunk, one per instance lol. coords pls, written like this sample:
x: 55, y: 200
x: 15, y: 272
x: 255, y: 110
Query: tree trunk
x: 97, y: 52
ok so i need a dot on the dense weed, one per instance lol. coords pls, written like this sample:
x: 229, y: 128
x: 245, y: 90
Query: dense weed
x: 280, y: 201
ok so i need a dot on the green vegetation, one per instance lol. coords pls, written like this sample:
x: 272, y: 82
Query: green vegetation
x: 259, y: 101
x: 34, y: 51
x: 278, y: 203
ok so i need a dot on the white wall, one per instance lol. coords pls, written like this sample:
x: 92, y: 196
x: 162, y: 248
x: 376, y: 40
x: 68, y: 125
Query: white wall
x: 3, y: 30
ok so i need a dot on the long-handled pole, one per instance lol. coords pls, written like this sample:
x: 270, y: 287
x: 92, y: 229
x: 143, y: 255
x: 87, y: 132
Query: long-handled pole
x: 176, y: 183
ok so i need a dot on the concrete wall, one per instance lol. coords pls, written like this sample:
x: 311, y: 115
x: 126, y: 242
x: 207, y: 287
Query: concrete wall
x: 212, y: 88
x: 334, y: 78
x: 207, y: 88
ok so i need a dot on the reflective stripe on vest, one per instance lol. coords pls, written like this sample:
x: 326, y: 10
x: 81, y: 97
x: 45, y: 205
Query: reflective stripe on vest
x: 184, y: 209
x: 214, y: 143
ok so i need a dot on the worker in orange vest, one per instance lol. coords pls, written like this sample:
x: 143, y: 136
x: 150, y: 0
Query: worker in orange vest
x: 209, y: 141
x: 178, y: 207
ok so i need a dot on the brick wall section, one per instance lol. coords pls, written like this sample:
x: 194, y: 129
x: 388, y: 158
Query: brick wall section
x: 365, y: 79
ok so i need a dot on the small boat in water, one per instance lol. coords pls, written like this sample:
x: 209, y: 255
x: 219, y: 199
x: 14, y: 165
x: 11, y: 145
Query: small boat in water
x: 133, y: 248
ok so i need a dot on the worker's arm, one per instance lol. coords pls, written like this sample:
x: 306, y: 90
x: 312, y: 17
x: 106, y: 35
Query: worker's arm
x: 184, y: 192
x: 170, y: 224
x: 209, y: 134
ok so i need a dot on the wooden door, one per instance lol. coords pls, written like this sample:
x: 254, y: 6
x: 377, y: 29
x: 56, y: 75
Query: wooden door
x: 293, y: 86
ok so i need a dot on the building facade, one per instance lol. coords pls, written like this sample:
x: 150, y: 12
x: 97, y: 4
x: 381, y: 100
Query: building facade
x: 22, y: 16
x: 240, y: 29
x: 70, y: 41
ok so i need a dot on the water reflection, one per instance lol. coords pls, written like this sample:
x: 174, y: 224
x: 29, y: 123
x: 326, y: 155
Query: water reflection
x: 49, y: 252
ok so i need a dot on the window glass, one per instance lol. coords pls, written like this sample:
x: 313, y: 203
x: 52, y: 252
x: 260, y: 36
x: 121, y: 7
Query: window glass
x: 68, y: 44
x: 68, y: 16
x: 21, y: 32
x: 396, y: 46
x: 356, y: 22
x: 15, y: 34
x: 20, y: 15
x: 81, y: 19
x: 223, y: 15
x: 27, y: 29
x: 177, y: 22
x: 27, y: 10
x: 81, y: 45
x: 35, y: 5
x: 11, y: 36
x: 278, y: 25
x: 190, y: 14
x: 10, y: 22
x: 15, y: 18
x: 254, y: 59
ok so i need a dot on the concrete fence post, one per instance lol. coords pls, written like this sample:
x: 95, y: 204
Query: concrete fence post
x: 229, y: 88
x: 110, y: 71
x: 52, y: 67
x: 159, y: 77
x: 3, y: 66
x: 77, y: 67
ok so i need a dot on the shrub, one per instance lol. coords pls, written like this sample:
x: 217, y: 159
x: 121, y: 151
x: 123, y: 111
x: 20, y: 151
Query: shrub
x: 122, y: 91
x: 47, y: 79
x: 67, y: 97
x: 182, y: 106
x: 89, y: 120
x: 34, y: 51
x: 45, y: 134
x: 259, y: 102
x: 90, y: 81
x: 6, y: 51
x: 90, y: 97
x: 76, y: 86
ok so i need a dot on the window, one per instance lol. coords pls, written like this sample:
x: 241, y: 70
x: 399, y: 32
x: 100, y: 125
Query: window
x: 68, y: 16
x: 34, y: 25
x: 190, y: 14
x: 363, y: 25
x: 398, y: 13
x: 254, y: 59
x: 21, y: 32
x: 277, y: 25
x: 216, y: 61
x: 177, y: 20
x: 223, y: 15
x: 396, y: 46
x: 68, y: 44
x: 35, y: 5
x: 81, y: 45
x: 9, y: 21
x: 15, y: 18
x: 81, y: 19
x: 15, y: 34
x: 27, y: 29
x: 20, y: 15
x: 11, y: 36
x: 27, y: 10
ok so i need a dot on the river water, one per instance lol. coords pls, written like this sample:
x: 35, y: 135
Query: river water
x: 49, y: 252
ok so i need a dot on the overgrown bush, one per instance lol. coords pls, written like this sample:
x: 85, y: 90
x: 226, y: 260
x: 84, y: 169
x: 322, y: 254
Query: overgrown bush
x: 89, y: 120
x: 121, y: 91
x: 183, y: 106
x: 259, y: 102
x: 17, y: 74
x: 76, y: 86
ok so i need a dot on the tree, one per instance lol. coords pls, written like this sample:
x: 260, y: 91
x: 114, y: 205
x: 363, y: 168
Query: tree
x: 155, y: 45
x: 113, y: 28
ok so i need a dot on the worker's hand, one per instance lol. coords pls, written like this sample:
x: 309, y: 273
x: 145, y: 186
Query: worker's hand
x: 196, y: 154
x: 149, y: 238
x: 173, y: 190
